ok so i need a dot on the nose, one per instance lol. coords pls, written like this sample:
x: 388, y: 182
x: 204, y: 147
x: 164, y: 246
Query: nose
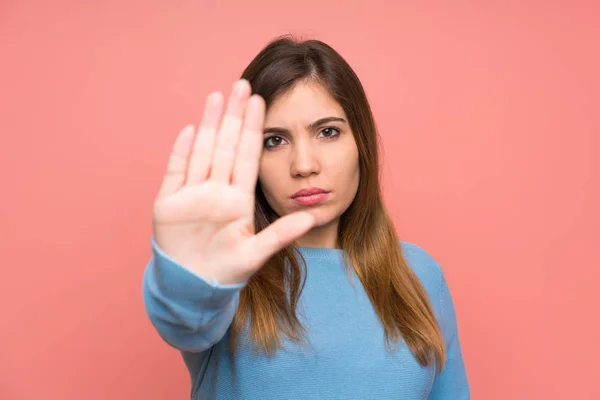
x: 305, y: 160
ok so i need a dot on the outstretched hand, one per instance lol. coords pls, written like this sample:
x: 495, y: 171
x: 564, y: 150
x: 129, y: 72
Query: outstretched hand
x: 203, y: 215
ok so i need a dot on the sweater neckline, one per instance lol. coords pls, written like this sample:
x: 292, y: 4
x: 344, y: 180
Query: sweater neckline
x: 321, y: 252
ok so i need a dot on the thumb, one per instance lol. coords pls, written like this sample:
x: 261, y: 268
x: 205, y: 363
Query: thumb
x: 279, y: 234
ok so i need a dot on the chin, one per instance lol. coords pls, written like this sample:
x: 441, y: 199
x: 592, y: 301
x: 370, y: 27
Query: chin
x: 322, y: 216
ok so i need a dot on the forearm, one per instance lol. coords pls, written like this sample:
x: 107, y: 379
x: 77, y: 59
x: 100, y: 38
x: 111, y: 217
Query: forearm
x: 189, y: 313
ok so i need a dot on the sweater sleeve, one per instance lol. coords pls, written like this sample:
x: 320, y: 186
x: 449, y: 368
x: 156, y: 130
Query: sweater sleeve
x: 452, y: 382
x: 188, y: 312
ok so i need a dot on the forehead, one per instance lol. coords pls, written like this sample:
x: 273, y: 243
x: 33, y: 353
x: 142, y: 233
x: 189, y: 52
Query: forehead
x: 305, y: 102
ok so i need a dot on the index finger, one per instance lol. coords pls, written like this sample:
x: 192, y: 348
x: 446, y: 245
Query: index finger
x: 245, y: 172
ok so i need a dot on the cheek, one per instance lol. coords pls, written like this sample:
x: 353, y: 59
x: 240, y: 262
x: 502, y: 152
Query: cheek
x: 346, y: 167
x: 268, y: 178
x: 264, y: 170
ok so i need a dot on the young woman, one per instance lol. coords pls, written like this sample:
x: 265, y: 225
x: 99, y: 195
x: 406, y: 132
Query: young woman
x: 276, y: 270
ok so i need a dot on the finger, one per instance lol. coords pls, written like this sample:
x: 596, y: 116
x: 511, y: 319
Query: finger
x: 277, y: 235
x: 178, y: 160
x: 245, y: 170
x: 204, y: 144
x: 228, y: 136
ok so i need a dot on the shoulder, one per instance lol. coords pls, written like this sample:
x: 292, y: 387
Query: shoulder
x: 426, y: 268
x: 421, y: 261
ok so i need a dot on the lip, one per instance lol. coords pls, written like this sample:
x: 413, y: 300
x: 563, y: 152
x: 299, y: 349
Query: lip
x: 308, y: 192
x: 310, y: 196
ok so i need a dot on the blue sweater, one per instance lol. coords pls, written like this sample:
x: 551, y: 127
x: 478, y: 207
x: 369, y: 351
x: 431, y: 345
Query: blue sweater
x: 345, y: 357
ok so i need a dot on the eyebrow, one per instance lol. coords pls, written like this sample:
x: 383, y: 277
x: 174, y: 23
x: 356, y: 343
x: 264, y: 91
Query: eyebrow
x: 311, y: 126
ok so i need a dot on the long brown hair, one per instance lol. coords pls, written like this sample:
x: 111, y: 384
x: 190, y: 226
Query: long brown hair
x: 267, y: 304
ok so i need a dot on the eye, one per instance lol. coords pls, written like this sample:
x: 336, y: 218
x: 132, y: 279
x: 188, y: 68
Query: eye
x: 273, y: 141
x: 330, y: 132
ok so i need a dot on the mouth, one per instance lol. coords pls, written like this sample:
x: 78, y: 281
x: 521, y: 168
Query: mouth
x: 310, y: 196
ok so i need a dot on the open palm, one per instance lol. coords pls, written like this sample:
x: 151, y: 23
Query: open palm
x: 203, y: 215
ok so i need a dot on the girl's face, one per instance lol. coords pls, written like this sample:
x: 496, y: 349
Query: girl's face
x: 308, y: 145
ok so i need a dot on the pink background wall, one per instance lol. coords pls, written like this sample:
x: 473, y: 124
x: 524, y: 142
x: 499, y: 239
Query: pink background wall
x: 490, y: 120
